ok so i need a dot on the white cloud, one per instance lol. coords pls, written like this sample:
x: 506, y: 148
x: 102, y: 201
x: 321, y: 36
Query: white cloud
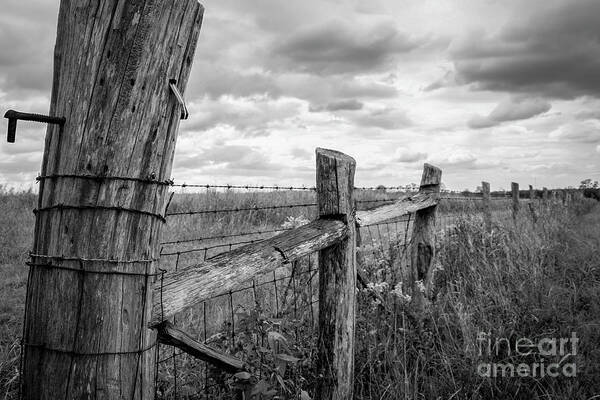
x: 577, y: 131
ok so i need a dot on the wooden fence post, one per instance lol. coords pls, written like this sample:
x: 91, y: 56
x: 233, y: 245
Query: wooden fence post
x: 337, y: 278
x: 531, y: 205
x: 531, y: 193
x: 487, y: 209
x: 515, y: 199
x: 545, y: 196
x: 104, y: 179
x: 423, y: 239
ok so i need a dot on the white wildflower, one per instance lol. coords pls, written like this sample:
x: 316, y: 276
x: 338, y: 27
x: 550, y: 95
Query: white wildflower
x: 399, y: 293
x: 294, y: 222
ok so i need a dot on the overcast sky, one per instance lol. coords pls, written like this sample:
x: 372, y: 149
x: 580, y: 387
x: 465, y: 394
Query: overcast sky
x: 498, y: 90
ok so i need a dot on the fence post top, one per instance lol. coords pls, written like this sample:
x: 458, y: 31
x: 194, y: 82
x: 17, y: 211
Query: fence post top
x: 432, y: 175
x: 338, y: 155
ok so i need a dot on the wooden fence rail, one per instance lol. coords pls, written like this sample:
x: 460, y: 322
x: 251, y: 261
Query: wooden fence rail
x: 333, y: 235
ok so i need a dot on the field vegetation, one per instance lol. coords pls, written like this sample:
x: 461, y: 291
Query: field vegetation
x: 522, y: 280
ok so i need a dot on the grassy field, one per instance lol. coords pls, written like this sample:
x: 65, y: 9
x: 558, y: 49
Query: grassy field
x: 520, y: 281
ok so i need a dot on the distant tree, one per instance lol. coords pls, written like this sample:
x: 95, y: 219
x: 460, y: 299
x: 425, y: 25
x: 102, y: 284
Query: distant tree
x: 380, y: 188
x: 588, y: 184
x: 479, y: 189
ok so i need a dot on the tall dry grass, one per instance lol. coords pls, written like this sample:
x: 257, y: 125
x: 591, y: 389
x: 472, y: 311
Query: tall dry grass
x: 522, y: 280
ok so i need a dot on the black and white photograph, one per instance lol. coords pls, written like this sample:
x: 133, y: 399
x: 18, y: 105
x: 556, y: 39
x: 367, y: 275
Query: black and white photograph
x: 299, y: 200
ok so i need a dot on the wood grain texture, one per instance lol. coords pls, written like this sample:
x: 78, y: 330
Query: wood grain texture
x: 112, y: 63
x: 487, y: 210
x: 514, y: 187
x: 402, y: 207
x: 423, y: 240
x: 170, y: 335
x: 337, y: 279
x: 228, y: 271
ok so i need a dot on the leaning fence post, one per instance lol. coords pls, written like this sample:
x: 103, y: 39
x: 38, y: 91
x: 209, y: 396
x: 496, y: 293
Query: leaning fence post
x: 337, y: 278
x: 515, y: 199
x: 103, y: 185
x: 423, y: 238
x: 487, y: 209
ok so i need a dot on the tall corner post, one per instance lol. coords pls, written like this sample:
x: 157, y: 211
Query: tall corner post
x: 337, y: 278
x: 422, y: 251
x: 487, y: 208
x: 104, y: 180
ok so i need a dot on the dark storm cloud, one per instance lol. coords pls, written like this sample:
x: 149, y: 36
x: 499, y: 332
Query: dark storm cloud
x: 339, y: 48
x: 555, y: 52
x: 339, y: 105
x: 514, y: 109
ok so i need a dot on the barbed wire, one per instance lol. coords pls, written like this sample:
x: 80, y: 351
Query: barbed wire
x: 246, y: 187
x: 232, y: 210
x: 206, y: 238
x: 187, y: 251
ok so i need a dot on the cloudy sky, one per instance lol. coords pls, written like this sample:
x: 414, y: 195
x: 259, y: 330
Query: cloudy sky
x: 498, y: 90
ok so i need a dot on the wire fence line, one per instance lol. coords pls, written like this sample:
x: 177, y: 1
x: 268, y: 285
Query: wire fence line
x: 281, y: 304
x: 240, y: 322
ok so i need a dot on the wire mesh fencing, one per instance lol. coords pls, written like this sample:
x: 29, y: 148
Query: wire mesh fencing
x: 269, y: 322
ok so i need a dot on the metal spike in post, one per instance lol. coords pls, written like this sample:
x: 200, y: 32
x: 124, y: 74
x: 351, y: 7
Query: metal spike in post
x: 180, y: 99
x: 13, y: 116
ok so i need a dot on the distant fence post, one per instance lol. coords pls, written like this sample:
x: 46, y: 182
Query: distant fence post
x: 423, y: 238
x: 337, y: 278
x: 545, y: 196
x: 515, y: 199
x: 531, y: 205
x: 531, y: 193
x: 487, y: 209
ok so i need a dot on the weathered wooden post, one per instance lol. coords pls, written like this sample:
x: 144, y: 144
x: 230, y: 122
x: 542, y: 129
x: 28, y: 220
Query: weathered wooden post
x: 531, y: 204
x: 545, y: 196
x: 487, y: 209
x: 337, y: 278
x: 102, y: 188
x: 423, y: 239
x: 515, y: 199
x: 531, y: 193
